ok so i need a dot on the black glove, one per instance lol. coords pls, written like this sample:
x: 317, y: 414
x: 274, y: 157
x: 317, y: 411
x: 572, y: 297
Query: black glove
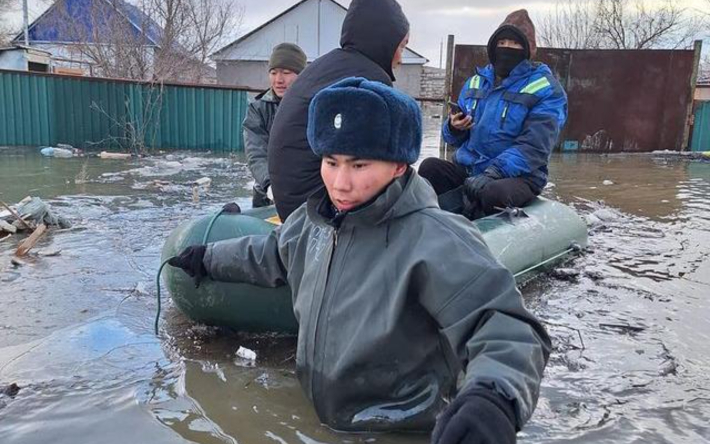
x: 473, y: 185
x: 231, y: 208
x: 190, y: 260
x: 477, y: 416
x: 472, y: 188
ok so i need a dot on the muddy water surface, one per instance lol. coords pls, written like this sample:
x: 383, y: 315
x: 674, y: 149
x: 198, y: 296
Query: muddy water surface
x: 629, y: 319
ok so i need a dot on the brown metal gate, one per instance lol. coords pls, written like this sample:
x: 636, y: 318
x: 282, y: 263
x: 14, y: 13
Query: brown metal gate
x: 619, y: 100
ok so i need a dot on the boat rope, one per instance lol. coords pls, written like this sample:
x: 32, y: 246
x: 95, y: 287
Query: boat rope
x: 571, y: 249
x: 157, y: 283
x: 230, y: 208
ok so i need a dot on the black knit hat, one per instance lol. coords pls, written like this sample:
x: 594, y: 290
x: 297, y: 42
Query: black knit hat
x: 288, y: 56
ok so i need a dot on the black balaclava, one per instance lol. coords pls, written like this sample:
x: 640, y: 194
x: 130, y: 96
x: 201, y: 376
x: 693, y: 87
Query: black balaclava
x: 505, y: 60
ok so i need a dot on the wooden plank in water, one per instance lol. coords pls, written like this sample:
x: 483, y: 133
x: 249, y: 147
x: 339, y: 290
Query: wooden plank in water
x: 27, y: 244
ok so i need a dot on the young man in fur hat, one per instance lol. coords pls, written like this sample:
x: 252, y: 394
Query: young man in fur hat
x: 394, y: 297
x: 513, y: 112
x: 286, y: 63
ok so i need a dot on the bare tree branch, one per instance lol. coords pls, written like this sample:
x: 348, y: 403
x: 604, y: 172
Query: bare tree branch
x: 4, y: 29
x: 621, y: 24
x: 572, y: 24
x: 704, y: 69
x: 170, y: 40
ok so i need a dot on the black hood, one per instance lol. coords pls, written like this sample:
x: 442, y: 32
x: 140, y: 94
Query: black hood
x: 375, y: 28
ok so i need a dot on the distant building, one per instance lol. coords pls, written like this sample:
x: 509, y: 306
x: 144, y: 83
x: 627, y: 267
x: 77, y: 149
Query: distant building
x: 314, y: 25
x: 53, y: 32
x: 23, y: 58
x: 702, y: 92
x: 71, y: 30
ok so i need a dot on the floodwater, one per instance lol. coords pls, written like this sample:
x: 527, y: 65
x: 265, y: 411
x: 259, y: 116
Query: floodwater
x: 629, y: 319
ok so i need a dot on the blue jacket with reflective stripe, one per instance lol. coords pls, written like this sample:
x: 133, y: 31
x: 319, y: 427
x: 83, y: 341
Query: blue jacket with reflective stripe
x: 516, y: 124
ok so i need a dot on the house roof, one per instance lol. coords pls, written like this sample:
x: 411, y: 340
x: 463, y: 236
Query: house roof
x: 275, y: 18
x: 44, y: 28
x: 24, y: 48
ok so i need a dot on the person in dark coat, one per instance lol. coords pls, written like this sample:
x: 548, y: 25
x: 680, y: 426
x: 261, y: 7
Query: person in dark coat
x: 373, y: 37
x: 512, y: 113
x: 381, y: 346
x: 286, y: 62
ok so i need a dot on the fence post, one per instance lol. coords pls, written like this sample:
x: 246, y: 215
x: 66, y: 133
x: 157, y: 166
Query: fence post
x: 447, y: 91
x: 698, y: 48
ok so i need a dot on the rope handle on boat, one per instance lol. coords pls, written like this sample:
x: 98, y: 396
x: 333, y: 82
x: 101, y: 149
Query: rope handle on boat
x: 230, y: 208
x: 157, y: 283
x: 574, y: 248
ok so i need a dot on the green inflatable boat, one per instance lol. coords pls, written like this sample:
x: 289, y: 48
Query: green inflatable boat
x: 527, y: 241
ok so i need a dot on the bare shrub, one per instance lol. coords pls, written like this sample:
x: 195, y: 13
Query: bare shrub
x: 621, y: 24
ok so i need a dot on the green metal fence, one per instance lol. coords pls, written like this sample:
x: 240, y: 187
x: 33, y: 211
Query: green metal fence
x: 41, y: 109
x: 701, y: 128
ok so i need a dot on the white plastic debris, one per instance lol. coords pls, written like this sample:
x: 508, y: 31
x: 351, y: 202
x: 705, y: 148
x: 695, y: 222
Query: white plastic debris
x: 51, y: 151
x: 607, y: 182
x: 245, y: 353
x: 203, y: 182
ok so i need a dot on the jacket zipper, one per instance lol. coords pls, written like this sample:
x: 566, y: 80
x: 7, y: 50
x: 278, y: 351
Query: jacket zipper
x: 321, y: 309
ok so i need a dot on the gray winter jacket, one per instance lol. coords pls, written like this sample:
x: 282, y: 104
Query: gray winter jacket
x: 393, y: 300
x: 256, y: 129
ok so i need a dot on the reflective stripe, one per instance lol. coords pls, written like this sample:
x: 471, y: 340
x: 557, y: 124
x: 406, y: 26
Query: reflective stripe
x: 536, y: 86
x: 505, y: 111
x: 475, y: 82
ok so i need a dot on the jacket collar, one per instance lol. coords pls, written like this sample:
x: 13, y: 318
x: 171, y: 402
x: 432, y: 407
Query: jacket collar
x: 405, y: 195
x: 268, y: 96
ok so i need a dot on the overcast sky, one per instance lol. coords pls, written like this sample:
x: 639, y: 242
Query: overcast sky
x: 471, y: 21
x: 431, y: 20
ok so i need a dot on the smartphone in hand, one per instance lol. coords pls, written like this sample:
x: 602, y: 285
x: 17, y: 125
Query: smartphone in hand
x: 454, y: 108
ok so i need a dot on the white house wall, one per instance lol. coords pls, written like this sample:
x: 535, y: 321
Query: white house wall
x: 13, y: 60
x: 300, y: 26
x: 332, y: 18
x: 244, y: 74
x: 253, y: 75
x: 69, y: 56
x: 409, y: 79
x: 702, y: 93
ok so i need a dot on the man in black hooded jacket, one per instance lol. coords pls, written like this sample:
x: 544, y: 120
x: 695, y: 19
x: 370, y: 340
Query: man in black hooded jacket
x: 374, y: 34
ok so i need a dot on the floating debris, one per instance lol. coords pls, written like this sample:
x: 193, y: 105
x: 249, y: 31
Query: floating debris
x: 10, y: 390
x: 623, y: 328
x: 4, y: 226
x: 245, y: 357
x: 51, y: 151
x: 16, y: 262
x: 31, y: 214
x: 565, y: 274
x: 203, y: 182
x: 114, y: 156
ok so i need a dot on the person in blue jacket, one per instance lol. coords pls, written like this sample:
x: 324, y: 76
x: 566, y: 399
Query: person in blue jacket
x: 512, y: 112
